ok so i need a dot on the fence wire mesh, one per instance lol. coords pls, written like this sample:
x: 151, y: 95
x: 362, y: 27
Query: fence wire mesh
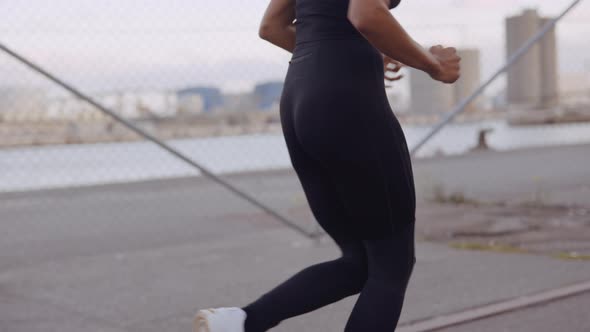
x: 196, y: 75
x: 104, y: 230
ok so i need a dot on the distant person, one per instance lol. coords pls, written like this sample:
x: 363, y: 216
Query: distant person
x: 351, y: 157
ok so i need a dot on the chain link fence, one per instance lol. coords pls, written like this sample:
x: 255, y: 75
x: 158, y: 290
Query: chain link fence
x: 196, y: 75
x: 148, y: 177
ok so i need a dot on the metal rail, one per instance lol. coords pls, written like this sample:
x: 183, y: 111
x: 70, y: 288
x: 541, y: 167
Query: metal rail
x: 511, y: 60
x: 316, y: 234
x: 155, y: 140
x: 440, y: 322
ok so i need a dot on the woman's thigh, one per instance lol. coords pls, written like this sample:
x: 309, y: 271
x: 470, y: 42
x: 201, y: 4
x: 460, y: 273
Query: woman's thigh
x: 360, y: 156
x: 391, y: 259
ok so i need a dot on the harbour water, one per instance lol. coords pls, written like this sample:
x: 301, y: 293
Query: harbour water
x: 33, y: 168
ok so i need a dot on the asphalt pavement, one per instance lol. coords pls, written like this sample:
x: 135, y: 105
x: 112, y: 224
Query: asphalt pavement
x: 145, y: 256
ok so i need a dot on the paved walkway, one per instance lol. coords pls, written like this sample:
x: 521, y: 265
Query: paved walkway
x: 146, y: 256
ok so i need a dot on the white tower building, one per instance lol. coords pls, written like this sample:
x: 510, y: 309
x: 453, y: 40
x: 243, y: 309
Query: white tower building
x: 470, y: 77
x: 532, y: 80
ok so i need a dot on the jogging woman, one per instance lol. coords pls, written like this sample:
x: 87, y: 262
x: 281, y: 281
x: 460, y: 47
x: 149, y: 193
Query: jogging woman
x: 351, y: 157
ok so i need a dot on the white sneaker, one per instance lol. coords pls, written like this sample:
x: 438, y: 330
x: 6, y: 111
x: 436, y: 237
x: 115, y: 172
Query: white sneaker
x: 224, y: 319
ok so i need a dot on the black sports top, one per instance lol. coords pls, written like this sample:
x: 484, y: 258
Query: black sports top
x: 325, y: 19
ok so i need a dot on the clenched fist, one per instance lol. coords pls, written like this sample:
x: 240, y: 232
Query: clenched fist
x: 448, y: 69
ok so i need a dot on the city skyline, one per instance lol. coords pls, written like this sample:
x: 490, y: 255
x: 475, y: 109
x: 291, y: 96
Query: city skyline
x: 114, y: 45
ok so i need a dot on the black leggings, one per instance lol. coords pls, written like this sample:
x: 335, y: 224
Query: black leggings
x: 351, y: 157
x: 379, y: 269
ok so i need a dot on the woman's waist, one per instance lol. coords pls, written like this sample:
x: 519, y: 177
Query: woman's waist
x: 355, y: 63
x: 338, y: 49
x: 311, y: 29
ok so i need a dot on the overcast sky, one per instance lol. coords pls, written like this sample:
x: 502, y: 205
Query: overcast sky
x: 112, y: 44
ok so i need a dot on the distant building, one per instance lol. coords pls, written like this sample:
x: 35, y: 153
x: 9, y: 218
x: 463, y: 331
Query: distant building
x: 211, y: 97
x: 129, y: 104
x: 430, y: 96
x: 532, y: 80
x: 268, y: 94
x: 143, y: 103
x: 240, y: 102
x: 470, y: 78
x: 19, y: 99
x: 191, y: 104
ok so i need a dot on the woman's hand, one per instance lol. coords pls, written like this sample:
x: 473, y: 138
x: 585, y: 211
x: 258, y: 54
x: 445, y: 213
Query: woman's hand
x: 396, y: 67
x: 448, y: 69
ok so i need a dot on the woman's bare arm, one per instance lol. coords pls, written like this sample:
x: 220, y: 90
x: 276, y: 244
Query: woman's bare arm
x: 373, y: 20
x: 277, y: 24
